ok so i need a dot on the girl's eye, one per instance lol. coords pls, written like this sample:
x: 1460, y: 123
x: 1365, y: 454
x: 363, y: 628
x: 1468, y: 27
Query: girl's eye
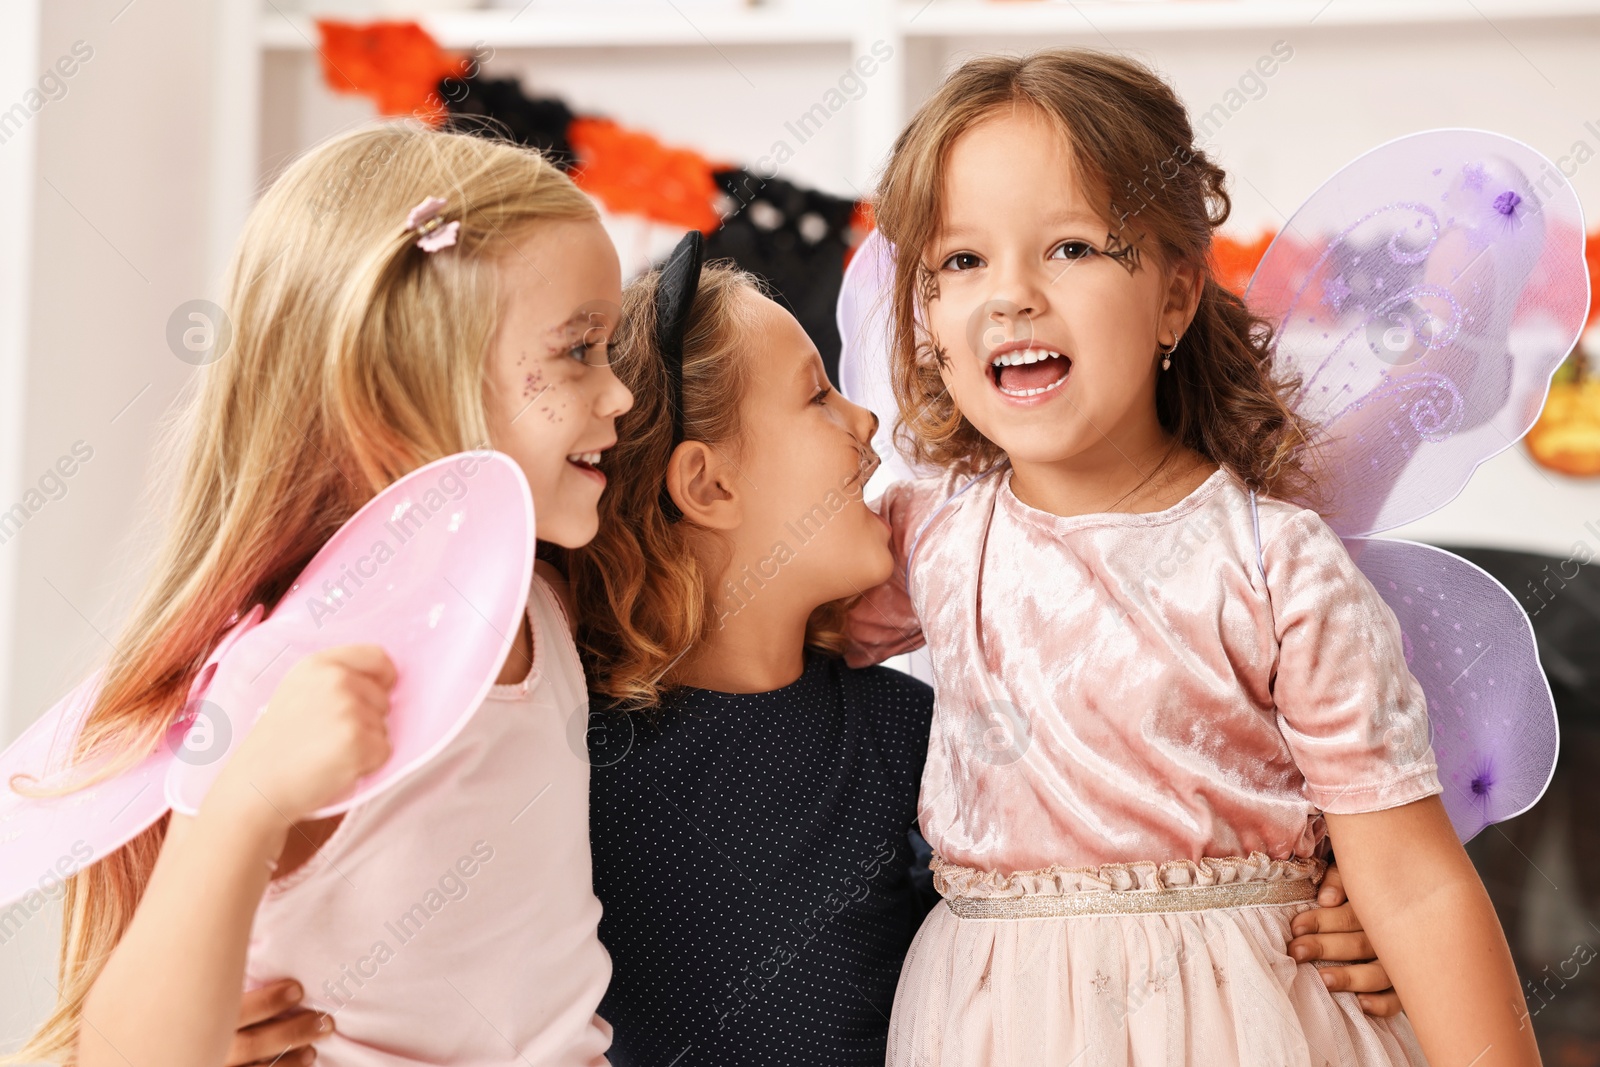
x: 961, y: 261
x: 822, y: 394
x: 1074, y: 250
x: 580, y: 352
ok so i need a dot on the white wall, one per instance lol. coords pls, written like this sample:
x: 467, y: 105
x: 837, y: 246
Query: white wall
x: 117, y: 181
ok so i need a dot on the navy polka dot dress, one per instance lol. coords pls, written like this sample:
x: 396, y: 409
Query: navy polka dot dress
x: 754, y: 857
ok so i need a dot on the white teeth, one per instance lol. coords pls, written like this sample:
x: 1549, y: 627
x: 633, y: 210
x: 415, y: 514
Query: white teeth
x: 590, y: 458
x: 1034, y: 392
x: 1023, y: 356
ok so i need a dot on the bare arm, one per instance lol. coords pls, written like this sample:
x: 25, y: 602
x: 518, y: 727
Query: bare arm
x: 170, y: 991
x: 1427, y: 914
x: 180, y: 966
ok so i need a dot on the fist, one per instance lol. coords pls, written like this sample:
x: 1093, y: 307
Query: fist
x: 323, y: 730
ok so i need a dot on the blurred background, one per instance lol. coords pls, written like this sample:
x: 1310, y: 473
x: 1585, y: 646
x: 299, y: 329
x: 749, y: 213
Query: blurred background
x: 135, y: 134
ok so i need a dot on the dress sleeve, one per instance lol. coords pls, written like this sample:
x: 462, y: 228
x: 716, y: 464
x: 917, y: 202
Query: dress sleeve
x: 1347, y: 705
x: 883, y: 623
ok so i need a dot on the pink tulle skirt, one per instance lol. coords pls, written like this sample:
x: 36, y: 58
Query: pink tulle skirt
x: 1206, y: 980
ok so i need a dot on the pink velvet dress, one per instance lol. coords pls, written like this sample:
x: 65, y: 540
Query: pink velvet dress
x: 1161, y: 701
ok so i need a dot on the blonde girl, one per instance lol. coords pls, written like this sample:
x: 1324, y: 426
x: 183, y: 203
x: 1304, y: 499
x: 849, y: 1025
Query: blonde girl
x: 367, y: 342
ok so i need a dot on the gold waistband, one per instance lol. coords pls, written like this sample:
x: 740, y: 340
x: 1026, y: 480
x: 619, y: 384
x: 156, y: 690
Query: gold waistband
x: 1134, y: 901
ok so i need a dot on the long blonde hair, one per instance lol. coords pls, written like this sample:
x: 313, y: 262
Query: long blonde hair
x: 355, y: 358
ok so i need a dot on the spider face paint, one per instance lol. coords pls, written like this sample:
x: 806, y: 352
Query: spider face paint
x: 1126, y: 255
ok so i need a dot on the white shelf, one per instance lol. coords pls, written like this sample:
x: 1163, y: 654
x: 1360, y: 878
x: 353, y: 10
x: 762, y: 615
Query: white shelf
x: 799, y: 25
x: 1093, y: 18
x: 652, y: 27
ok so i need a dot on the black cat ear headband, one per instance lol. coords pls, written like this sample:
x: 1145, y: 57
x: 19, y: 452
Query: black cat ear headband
x: 680, y: 280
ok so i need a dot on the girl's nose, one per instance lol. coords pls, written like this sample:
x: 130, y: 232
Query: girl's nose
x: 1021, y: 289
x: 615, y: 398
x: 862, y: 424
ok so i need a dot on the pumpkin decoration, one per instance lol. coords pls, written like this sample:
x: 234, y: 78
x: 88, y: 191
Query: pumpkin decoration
x: 1567, y: 436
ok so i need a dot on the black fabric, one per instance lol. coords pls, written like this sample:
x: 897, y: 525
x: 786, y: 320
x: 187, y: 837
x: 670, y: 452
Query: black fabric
x: 795, y: 239
x: 538, y: 122
x: 751, y: 853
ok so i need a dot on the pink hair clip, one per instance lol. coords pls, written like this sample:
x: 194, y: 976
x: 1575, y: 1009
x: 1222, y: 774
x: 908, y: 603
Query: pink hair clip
x: 433, y: 232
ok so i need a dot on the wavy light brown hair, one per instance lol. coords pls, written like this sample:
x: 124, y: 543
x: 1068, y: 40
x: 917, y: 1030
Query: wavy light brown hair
x: 644, y: 587
x: 355, y: 359
x: 1135, y: 150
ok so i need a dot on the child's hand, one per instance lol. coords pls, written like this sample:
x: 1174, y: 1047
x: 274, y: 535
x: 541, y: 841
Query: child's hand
x: 322, y: 732
x: 1331, y: 931
x: 273, y: 1029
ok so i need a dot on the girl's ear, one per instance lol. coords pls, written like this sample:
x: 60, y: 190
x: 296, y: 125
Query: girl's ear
x: 1184, y: 287
x: 703, y: 485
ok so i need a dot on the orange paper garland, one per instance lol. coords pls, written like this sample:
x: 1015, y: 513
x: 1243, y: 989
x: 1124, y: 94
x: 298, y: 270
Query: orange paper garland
x: 633, y: 173
x: 397, y: 64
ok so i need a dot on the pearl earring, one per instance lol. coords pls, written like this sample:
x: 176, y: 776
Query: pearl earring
x: 1166, y: 356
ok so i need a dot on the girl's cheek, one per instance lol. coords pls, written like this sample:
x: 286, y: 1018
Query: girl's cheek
x: 533, y: 384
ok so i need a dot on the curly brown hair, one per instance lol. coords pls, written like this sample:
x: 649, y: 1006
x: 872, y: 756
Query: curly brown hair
x: 644, y: 587
x: 1135, y: 150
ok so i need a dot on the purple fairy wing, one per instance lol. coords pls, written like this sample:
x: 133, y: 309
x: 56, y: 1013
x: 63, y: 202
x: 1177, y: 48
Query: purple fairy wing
x: 1423, y: 297
x: 1491, y: 717
x: 864, y: 332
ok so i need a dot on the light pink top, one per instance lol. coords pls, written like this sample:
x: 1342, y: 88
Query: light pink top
x: 452, y: 920
x: 1128, y: 687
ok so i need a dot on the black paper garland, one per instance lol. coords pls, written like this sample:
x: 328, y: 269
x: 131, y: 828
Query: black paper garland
x: 795, y: 239
x: 538, y: 122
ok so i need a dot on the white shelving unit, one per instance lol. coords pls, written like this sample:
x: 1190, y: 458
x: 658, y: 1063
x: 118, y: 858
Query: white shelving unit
x: 977, y: 18
x: 649, y: 27
x: 505, y: 28
x: 923, y: 33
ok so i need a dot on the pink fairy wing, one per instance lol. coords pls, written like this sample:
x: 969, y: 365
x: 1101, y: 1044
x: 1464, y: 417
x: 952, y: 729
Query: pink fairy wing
x: 1423, y: 296
x: 44, y: 839
x: 436, y: 569
x: 1469, y: 643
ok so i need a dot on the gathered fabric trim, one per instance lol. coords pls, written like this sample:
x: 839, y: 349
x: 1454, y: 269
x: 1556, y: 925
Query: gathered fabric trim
x: 954, y: 880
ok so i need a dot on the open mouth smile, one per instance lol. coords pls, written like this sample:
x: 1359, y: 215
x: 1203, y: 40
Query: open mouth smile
x: 1019, y: 369
x: 589, y: 462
